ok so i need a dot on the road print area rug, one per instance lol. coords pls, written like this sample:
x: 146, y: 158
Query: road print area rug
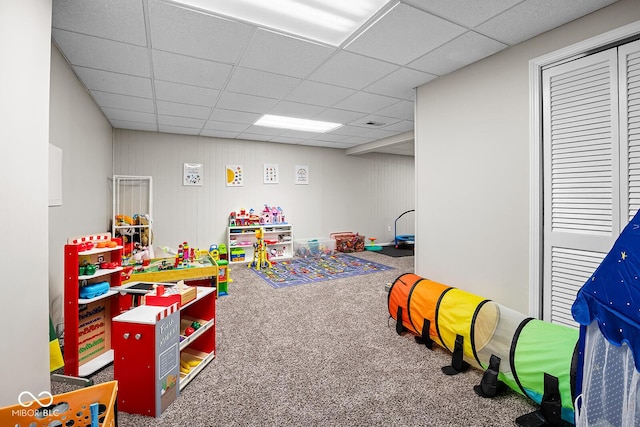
x: 300, y: 271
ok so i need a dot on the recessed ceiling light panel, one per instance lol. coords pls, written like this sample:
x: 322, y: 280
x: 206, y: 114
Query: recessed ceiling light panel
x: 326, y: 21
x: 293, y: 123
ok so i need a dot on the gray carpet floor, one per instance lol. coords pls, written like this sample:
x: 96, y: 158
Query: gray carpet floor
x: 324, y: 354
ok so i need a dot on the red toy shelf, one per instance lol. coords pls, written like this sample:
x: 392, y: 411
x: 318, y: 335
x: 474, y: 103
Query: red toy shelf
x: 87, y: 321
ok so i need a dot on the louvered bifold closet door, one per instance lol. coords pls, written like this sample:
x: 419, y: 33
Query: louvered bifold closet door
x: 629, y: 77
x: 581, y: 176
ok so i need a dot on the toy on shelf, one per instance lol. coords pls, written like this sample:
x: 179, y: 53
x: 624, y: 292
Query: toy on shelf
x: 260, y: 257
x: 268, y: 215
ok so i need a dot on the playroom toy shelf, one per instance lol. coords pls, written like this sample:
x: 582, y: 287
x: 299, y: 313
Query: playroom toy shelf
x: 87, y: 320
x: 277, y: 237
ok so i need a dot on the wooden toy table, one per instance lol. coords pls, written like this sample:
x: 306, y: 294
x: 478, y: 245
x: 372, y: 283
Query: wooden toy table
x: 207, y: 271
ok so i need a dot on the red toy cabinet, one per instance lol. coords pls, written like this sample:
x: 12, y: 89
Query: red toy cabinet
x: 198, y: 349
x: 89, y: 301
x: 147, y: 358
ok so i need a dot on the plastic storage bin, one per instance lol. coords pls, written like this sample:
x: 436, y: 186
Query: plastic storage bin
x: 314, y: 247
x: 237, y: 255
x: 72, y: 408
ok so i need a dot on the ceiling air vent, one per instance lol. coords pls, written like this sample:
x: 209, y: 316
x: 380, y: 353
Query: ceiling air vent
x: 372, y: 123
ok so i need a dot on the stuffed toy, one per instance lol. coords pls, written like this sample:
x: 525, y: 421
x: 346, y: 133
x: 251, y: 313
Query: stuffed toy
x: 146, y: 235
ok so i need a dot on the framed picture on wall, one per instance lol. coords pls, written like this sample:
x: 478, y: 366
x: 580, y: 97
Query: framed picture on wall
x: 301, y: 175
x: 192, y: 174
x: 271, y: 173
x: 235, y: 175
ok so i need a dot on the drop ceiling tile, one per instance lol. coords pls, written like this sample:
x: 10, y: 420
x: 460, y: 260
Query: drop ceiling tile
x: 222, y: 115
x: 284, y: 140
x: 180, y: 122
x: 466, y: 49
x: 338, y: 116
x: 346, y: 130
x: 401, y: 83
x: 103, y: 54
x: 365, y: 102
x: 121, y: 20
x: 191, y: 71
x: 358, y: 140
x: 374, y: 121
x: 219, y: 133
x: 309, y: 92
x: 106, y: 81
x: 180, y: 130
x: 123, y: 102
x: 404, y: 34
x: 280, y: 54
x: 183, y: 110
x: 351, y: 71
x: 402, y: 126
x: 127, y: 115
x: 177, y: 92
x: 296, y: 109
x: 263, y: 130
x: 248, y: 103
x: 465, y: 12
x: 530, y: 18
x: 260, y: 83
x: 331, y: 137
x: 400, y: 110
x: 226, y: 126
x: 189, y: 32
x: 326, y: 144
x: 255, y: 137
x: 303, y: 136
x: 379, y: 134
x: 123, y: 124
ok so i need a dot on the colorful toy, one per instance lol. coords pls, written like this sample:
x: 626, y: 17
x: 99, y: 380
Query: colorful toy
x: 268, y: 215
x: 223, y: 277
x: 532, y: 357
x: 372, y: 246
x: 93, y: 290
x: 260, y: 257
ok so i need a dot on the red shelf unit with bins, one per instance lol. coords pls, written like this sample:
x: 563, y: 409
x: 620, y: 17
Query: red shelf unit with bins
x: 87, y: 321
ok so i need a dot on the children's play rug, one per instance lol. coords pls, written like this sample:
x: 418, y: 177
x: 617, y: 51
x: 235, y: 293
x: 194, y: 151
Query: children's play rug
x: 300, y: 271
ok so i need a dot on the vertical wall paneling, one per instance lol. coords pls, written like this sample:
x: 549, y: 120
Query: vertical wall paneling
x: 345, y: 193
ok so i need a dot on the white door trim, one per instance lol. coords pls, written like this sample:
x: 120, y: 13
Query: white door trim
x: 535, y: 147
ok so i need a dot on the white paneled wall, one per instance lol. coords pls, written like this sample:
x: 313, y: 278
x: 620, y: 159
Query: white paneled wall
x: 345, y: 193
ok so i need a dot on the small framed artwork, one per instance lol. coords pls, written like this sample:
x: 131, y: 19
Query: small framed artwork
x: 235, y: 176
x: 271, y: 173
x: 192, y: 174
x: 301, y: 175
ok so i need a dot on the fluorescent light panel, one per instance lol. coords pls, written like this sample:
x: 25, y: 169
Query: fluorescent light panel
x: 326, y: 21
x: 293, y: 123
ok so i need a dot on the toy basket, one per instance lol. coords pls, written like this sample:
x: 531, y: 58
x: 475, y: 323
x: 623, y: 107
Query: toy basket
x: 72, y: 408
x: 347, y: 241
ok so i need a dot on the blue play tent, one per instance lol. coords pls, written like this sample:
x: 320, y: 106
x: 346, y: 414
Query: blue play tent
x: 607, y: 308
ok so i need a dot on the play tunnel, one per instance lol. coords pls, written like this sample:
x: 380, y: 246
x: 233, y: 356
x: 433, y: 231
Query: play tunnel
x: 414, y: 300
x: 530, y: 356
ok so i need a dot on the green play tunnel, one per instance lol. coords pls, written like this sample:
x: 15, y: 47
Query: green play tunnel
x: 534, y: 357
